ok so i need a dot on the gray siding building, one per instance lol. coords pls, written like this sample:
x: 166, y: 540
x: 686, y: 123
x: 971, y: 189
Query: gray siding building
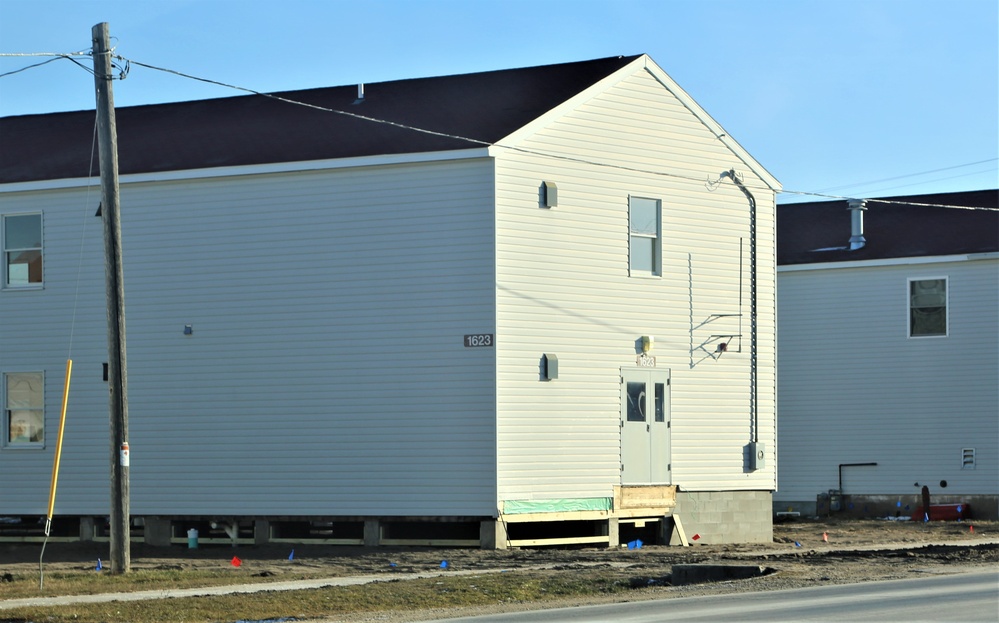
x: 889, y: 355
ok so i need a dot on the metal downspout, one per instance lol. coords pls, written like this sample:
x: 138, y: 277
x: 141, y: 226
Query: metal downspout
x: 753, y: 355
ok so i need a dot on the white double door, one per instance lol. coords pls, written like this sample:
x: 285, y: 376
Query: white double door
x: 645, y: 426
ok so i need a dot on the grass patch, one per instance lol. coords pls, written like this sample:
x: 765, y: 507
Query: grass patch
x: 431, y: 593
x: 22, y: 585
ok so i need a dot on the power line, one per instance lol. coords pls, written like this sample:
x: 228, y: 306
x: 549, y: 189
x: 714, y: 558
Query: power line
x: 56, y: 56
x: 939, y: 179
x: 29, y: 54
x: 307, y: 105
x: 893, y: 201
x: 898, y: 177
x: 27, y: 67
x: 128, y: 62
x: 411, y: 127
x: 70, y: 56
x: 488, y: 144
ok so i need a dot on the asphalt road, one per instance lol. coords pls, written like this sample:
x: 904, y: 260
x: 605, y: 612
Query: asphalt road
x: 966, y: 597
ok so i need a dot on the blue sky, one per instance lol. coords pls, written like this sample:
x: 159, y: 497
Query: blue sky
x: 856, y: 98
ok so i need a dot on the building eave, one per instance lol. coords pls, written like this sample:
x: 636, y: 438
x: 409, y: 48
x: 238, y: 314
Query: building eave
x: 895, y: 261
x: 253, y: 169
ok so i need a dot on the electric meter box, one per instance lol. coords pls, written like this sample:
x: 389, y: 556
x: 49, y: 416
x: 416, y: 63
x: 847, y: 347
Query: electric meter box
x: 757, y: 455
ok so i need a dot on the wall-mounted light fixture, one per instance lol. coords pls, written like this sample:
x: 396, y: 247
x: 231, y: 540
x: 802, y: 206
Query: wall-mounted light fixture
x: 549, y: 194
x: 188, y: 329
x: 648, y: 342
x: 549, y: 366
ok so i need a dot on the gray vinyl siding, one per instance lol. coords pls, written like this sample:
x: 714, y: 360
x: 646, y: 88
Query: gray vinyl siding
x: 39, y: 330
x: 854, y: 388
x: 326, y: 372
x: 563, y: 287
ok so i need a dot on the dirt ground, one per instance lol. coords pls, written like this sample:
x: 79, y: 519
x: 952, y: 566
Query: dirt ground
x: 804, y: 552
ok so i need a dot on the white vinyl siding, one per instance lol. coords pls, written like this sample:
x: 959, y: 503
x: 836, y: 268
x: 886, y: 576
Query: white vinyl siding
x: 854, y: 388
x: 563, y: 288
x: 325, y: 373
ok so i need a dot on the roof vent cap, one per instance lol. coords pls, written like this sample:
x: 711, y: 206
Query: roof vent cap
x: 857, y: 208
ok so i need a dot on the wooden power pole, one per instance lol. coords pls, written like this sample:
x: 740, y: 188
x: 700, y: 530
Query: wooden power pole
x: 115, y: 294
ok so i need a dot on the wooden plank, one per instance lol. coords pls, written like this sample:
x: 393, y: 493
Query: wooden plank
x: 644, y: 497
x: 564, y: 541
x: 652, y: 512
x: 431, y: 542
x: 678, y: 527
x: 563, y: 516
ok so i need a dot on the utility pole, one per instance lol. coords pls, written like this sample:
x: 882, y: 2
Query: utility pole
x: 115, y: 294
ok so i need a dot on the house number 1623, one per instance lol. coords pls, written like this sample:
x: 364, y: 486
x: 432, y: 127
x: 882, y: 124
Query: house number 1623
x: 479, y: 339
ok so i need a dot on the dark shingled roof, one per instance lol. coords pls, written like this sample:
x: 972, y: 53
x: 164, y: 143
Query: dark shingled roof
x: 820, y: 231
x: 255, y: 129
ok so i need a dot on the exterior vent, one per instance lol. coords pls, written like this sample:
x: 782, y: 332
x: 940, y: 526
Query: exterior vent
x: 968, y: 458
x: 857, y: 208
x: 549, y: 194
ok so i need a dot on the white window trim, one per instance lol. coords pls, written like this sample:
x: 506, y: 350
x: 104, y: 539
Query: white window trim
x: 3, y: 252
x: 657, y: 253
x: 908, y: 307
x: 5, y: 424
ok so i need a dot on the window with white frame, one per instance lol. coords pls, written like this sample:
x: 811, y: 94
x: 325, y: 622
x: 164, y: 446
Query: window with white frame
x: 22, y: 250
x: 24, y: 409
x: 645, y: 241
x: 927, y: 307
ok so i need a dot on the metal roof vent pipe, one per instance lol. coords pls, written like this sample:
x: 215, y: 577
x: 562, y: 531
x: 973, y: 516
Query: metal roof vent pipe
x: 360, y: 93
x: 857, y: 208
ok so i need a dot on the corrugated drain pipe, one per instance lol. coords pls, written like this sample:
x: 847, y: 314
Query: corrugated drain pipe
x: 753, y: 383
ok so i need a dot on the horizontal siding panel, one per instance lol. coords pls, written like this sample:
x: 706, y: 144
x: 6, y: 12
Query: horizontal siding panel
x: 876, y: 395
x: 326, y: 372
x: 564, y: 288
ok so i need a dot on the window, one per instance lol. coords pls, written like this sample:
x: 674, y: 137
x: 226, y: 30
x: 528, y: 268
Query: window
x: 646, y: 236
x: 636, y: 401
x: 927, y: 307
x: 24, y: 412
x: 22, y: 250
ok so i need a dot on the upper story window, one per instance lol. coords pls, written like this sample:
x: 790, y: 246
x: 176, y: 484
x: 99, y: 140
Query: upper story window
x: 645, y: 241
x: 24, y: 410
x: 22, y: 250
x: 927, y: 307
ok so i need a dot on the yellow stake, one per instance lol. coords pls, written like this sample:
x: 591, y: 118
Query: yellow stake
x: 58, y: 452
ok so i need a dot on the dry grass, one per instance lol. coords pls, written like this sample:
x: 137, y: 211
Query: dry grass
x: 424, y: 594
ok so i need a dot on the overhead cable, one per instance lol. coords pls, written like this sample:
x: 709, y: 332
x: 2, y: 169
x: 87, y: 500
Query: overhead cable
x: 899, y: 177
x: 127, y: 62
